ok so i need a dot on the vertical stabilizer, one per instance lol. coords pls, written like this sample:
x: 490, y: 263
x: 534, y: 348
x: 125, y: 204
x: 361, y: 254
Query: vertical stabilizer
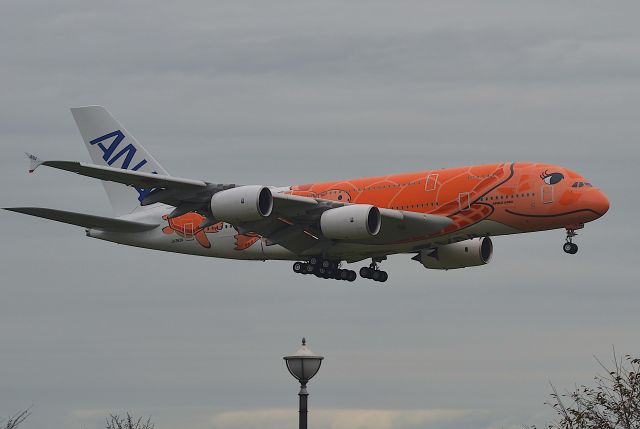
x: 109, y: 143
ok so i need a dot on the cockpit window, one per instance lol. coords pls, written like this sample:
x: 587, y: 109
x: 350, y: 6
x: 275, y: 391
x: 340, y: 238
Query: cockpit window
x: 581, y: 184
x: 551, y: 178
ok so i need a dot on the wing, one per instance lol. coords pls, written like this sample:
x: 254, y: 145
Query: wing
x: 293, y: 224
x: 186, y: 194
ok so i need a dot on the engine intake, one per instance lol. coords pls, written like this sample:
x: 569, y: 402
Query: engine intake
x: 467, y: 253
x: 242, y: 204
x: 354, y: 222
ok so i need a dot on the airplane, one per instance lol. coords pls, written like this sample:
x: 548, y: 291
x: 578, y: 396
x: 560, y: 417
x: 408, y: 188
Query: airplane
x: 445, y: 218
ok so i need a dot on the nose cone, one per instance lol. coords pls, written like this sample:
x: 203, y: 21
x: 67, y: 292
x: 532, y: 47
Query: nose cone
x: 600, y: 203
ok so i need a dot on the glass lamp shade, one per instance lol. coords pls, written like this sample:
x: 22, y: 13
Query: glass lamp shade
x: 304, y: 364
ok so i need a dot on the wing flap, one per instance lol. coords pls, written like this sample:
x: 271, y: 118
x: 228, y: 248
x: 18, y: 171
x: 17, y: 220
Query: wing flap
x: 85, y: 220
x: 399, y: 225
x: 292, y: 205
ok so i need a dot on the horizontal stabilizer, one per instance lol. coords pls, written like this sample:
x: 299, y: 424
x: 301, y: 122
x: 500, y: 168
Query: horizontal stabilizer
x: 85, y: 220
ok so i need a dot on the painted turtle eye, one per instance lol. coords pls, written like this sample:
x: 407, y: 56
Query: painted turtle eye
x: 552, y: 178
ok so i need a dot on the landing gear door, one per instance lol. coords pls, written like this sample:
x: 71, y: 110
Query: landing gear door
x: 464, y: 201
x: 547, y: 194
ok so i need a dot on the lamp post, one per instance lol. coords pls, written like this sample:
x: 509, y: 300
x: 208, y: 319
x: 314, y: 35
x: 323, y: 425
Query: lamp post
x: 303, y: 365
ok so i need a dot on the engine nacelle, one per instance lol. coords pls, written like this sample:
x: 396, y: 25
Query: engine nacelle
x: 468, y: 253
x: 242, y: 204
x: 354, y: 222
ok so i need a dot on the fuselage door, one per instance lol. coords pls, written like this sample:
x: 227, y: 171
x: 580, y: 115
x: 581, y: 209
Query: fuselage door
x: 431, y: 182
x: 188, y: 231
x: 547, y: 194
x: 464, y: 201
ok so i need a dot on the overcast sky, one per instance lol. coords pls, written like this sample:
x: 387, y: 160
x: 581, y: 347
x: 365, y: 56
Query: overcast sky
x: 294, y: 92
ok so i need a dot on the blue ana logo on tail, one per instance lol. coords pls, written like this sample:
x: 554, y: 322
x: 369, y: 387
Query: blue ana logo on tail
x: 110, y: 155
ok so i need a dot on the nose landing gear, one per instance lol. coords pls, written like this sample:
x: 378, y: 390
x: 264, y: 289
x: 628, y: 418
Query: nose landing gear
x: 570, y: 247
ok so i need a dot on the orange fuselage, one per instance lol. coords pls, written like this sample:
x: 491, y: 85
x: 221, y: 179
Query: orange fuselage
x: 521, y: 196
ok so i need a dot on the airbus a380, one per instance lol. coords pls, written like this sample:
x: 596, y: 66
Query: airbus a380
x: 444, y: 217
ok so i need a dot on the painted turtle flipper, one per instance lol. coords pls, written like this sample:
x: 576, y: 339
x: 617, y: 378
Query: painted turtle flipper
x: 201, y: 238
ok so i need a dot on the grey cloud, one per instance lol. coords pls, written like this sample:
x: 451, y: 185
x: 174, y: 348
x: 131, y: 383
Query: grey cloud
x: 297, y: 92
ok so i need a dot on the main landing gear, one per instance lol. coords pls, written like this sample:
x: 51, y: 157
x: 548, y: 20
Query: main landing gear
x: 570, y: 247
x: 373, y: 272
x: 325, y: 269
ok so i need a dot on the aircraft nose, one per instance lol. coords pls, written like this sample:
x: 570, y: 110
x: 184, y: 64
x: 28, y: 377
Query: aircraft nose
x: 601, y: 203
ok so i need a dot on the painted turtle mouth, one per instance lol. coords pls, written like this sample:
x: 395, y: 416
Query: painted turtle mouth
x: 552, y: 215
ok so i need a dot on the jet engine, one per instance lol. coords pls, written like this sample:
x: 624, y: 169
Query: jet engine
x: 354, y: 222
x: 468, y: 253
x: 242, y: 204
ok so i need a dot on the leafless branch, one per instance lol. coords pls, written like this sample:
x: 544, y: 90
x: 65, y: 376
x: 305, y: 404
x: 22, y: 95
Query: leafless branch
x: 17, y: 419
x: 612, y: 403
x: 115, y: 421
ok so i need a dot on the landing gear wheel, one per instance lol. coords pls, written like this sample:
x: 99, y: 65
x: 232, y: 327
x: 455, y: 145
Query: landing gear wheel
x: 373, y: 272
x: 365, y: 272
x: 324, y: 269
x: 570, y: 248
x: 379, y: 276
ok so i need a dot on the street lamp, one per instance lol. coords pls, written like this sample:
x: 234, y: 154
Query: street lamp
x: 303, y: 365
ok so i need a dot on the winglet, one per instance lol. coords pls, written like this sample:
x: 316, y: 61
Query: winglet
x: 34, y: 162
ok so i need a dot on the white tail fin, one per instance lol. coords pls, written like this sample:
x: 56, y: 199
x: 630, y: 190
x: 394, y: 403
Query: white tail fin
x: 109, y: 143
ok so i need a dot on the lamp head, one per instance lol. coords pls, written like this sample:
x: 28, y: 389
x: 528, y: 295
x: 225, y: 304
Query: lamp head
x: 303, y: 364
